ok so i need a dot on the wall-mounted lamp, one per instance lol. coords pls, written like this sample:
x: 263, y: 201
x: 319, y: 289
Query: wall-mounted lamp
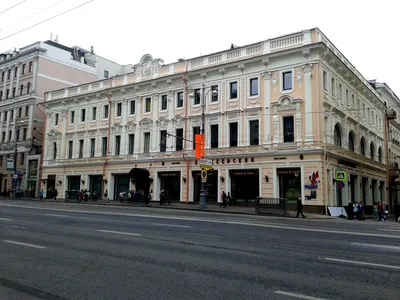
x: 266, y: 178
x: 105, y: 179
x: 59, y: 181
x: 333, y: 180
x: 222, y: 179
x: 151, y: 179
x: 83, y: 181
x: 44, y: 181
x: 184, y: 179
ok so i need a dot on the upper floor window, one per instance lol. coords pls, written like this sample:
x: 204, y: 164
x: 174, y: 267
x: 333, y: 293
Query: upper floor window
x: 83, y: 115
x: 197, y: 96
x: 179, y: 139
x: 233, y: 134
x: 21, y: 89
x: 9, y: 74
x: 253, y: 86
x: 132, y: 107
x: 81, y: 148
x: 72, y: 117
x: 254, y: 132
x: 104, y: 146
x: 325, y: 80
x: 117, y: 145
x: 287, y: 83
x: 347, y: 97
x: 214, y: 95
x: 1, y: 95
x: 26, y: 110
x: 131, y: 144
x: 23, y: 69
x: 196, y: 130
x: 146, y: 148
x: 340, y: 94
x: 164, y: 102
x: 333, y: 84
x: 7, y: 93
x: 94, y: 113
x: 15, y: 72
x: 179, y: 99
x: 24, y: 132
x: 353, y: 101
x: 148, y: 105
x: 105, y: 111
x: 233, y: 90
x: 28, y: 88
x: 56, y: 119
x: 19, y: 112
x: 30, y: 67
x: 105, y: 74
x: 288, y: 129
x: 214, y: 135
x: 163, y: 141
x: 2, y: 76
x: 54, y: 150
x: 119, y: 109
x: 70, y: 149
x: 14, y: 91
x: 92, y: 147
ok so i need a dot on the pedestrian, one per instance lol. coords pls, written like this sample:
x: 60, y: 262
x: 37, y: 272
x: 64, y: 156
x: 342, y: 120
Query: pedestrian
x: 396, y: 212
x: 55, y: 193
x: 121, y: 197
x: 380, y: 211
x: 162, y: 197
x: 299, y: 208
x: 224, y: 198
x: 355, y: 211
x: 361, y: 216
x: 94, y: 196
x: 375, y: 213
x: 106, y: 196
x: 41, y: 194
x: 229, y: 199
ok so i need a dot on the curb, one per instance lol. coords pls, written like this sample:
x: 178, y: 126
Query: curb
x: 102, y: 203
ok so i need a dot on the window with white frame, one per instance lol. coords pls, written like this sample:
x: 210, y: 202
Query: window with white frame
x: 253, y: 86
x: 117, y: 145
x: 92, y: 147
x: 83, y: 115
x: 325, y: 80
x: 94, y: 113
x: 233, y: 134
x: 197, y: 97
x: 214, y: 95
x: 147, y: 104
x: 333, y: 84
x: 70, y: 149
x: 146, y: 148
x: 81, y: 144
x: 105, y: 111
x: 287, y: 81
x: 254, y: 132
x: 179, y: 99
x: 56, y: 115
x: 119, y: 109
x: 233, y: 90
x: 164, y: 102
x: 340, y: 94
x: 72, y: 117
x: 214, y: 135
x: 132, y: 107
x: 288, y: 129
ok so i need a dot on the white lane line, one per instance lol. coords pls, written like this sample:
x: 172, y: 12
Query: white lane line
x: 363, y: 263
x: 119, y: 232
x: 392, y: 230
x: 171, y: 225
x: 5, y: 219
x: 377, y: 246
x: 24, y: 244
x: 353, y: 233
x: 55, y: 215
x: 299, y: 296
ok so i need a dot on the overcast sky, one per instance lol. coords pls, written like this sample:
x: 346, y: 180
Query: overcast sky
x: 123, y: 30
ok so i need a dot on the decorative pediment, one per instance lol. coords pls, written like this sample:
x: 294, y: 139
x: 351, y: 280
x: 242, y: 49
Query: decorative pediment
x: 116, y: 127
x: 53, y: 133
x: 162, y: 122
x: 214, y: 117
x: 234, y: 114
x: 146, y: 123
x: 287, y: 103
x: 252, y: 112
x: 131, y: 125
x: 177, y: 120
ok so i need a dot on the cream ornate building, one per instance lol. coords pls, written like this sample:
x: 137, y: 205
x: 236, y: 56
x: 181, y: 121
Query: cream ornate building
x: 286, y: 107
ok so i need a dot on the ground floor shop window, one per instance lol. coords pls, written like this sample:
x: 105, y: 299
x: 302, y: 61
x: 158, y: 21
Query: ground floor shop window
x: 50, y: 185
x: 289, y: 183
x: 211, y: 186
x: 95, y: 182
x: 245, y: 185
x: 171, y: 183
x: 121, y: 184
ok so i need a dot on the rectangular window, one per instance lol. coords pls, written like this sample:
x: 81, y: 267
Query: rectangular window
x: 197, y: 96
x: 214, y: 136
x: 254, y: 87
x: 233, y: 134
x: 340, y: 95
x: 26, y: 110
x: 132, y: 107
x: 54, y: 150
x: 23, y: 69
x: 1, y: 95
x: 9, y: 74
x: 81, y: 148
x: 163, y: 141
x: 288, y: 129
x: 15, y: 72
x: 72, y: 117
x: 105, y: 112
x: 56, y: 119
x: 94, y: 113
x: 104, y: 146
x: 105, y: 74
x: 214, y: 93
x: 7, y: 93
x: 179, y: 139
x: 287, y: 81
x: 117, y: 145
x: 21, y: 89
x: 14, y: 91
x: 325, y: 80
x: 3, y: 137
x: 131, y: 145
x: 22, y: 158
x: 30, y: 67
x: 11, y: 114
x: 2, y: 76
x: 179, y: 100
x: 92, y: 147
x: 24, y: 131
x: 5, y: 116
x: 9, y: 135
x: 233, y: 90
x: 83, y: 115
x: 353, y: 101
x: 148, y: 105
x: 196, y: 130
x: 20, y: 112
x: 254, y: 132
x: 333, y: 83
x: 17, y: 134
x: 70, y: 149
x: 146, y: 148
x: 119, y: 109
x: 164, y: 102
x: 28, y: 88
x: 347, y: 97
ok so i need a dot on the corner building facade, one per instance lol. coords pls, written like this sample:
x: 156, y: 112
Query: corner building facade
x: 286, y: 108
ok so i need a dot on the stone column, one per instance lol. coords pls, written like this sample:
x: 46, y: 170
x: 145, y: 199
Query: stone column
x: 267, y: 109
x: 309, y: 136
x: 171, y: 146
x: 34, y: 79
x: 124, y: 134
x: 155, y: 134
x: 63, y: 119
x: 138, y: 131
x: 30, y: 123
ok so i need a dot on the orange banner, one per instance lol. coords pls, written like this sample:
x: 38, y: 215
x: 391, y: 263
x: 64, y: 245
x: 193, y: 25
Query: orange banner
x: 199, y: 146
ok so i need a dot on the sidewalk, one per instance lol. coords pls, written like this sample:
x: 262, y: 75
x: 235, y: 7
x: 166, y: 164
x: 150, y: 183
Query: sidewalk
x: 211, y: 207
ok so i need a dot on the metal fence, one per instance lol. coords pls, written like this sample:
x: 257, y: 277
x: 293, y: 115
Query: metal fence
x: 272, y: 206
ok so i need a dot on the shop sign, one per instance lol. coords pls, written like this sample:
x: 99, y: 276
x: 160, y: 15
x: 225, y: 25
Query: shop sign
x: 310, y: 186
x: 206, y: 163
x: 229, y: 161
x: 239, y: 173
x: 295, y: 172
x: 168, y: 174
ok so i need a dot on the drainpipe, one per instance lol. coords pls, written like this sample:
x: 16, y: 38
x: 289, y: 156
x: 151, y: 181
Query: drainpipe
x: 43, y: 142
x: 108, y: 139
x: 185, y: 80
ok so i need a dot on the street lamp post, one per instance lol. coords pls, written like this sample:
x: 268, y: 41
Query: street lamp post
x: 203, y: 196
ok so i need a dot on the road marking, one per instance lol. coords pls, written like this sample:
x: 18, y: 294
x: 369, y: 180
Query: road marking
x: 363, y: 263
x: 55, y: 215
x: 24, y: 244
x: 353, y: 233
x: 4, y: 219
x: 172, y: 225
x: 299, y: 296
x: 393, y: 230
x: 377, y: 246
x: 119, y: 232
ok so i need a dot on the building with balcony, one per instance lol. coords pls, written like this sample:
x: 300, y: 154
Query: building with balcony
x: 25, y: 75
x: 286, y: 109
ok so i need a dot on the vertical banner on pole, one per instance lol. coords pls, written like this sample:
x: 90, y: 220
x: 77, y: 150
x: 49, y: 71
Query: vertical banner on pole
x: 199, y: 146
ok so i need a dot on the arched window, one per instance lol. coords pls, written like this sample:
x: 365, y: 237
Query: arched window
x: 362, y: 146
x: 380, y: 154
x: 21, y: 89
x: 372, y: 150
x: 28, y: 88
x: 351, y: 141
x: 337, y: 136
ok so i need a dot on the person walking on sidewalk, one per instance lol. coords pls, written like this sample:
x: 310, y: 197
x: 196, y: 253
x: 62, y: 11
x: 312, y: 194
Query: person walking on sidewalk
x: 299, y: 208
x: 41, y: 194
x: 55, y: 193
x: 224, y: 198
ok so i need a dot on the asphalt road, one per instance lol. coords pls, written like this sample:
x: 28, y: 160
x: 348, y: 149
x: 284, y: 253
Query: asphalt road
x: 74, y: 251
